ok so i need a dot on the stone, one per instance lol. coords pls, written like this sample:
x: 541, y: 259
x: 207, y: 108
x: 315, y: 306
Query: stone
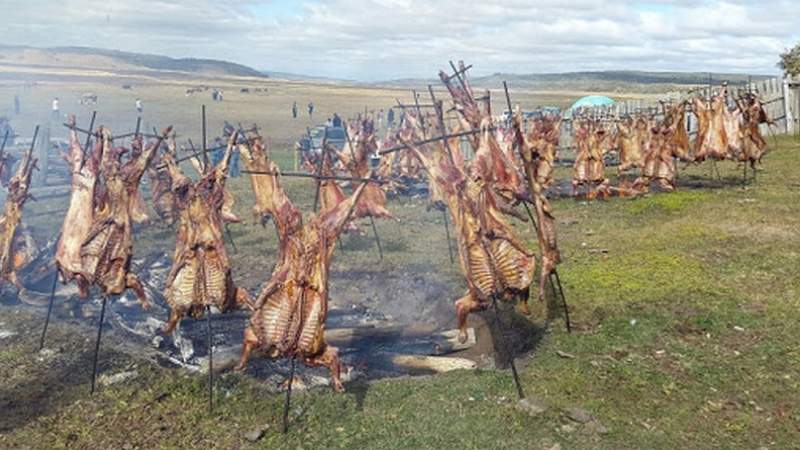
x: 256, y: 434
x: 532, y: 405
x: 107, y: 380
x: 580, y: 415
x: 596, y: 427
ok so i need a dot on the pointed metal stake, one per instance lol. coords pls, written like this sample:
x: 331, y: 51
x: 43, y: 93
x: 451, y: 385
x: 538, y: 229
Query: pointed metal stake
x: 210, y: 360
x: 504, y: 343
x: 447, y: 235
x: 97, y: 342
x: 288, y: 400
x: 230, y: 238
x: 49, y: 309
x: 377, y: 238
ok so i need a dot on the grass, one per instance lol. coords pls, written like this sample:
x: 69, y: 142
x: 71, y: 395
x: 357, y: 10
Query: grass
x: 685, y: 339
x: 684, y: 306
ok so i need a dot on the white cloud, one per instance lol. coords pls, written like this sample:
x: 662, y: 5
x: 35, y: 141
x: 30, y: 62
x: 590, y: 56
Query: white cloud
x: 380, y: 39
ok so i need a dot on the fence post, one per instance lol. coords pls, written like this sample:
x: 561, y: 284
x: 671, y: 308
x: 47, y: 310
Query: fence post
x: 787, y: 107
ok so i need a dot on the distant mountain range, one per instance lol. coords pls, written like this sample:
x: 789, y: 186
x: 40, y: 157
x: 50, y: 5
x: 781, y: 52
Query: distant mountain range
x: 97, y: 58
x: 115, y: 60
x: 612, y: 80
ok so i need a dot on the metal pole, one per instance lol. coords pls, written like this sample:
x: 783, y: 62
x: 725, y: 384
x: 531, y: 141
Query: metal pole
x: 563, y: 299
x: 210, y: 360
x: 288, y: 399
x: 5, y: 140
x: 49, y: 309
x: 230, y: 238
x: 500, y: 327
x: 323, y: 153
x: 447, y: 234
x: 377, y: 238
x: 205, y: 142
x: 88, y: 139
x: 97, y: 342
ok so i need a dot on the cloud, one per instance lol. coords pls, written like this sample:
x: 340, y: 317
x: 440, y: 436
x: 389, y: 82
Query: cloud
x: 382, y: 39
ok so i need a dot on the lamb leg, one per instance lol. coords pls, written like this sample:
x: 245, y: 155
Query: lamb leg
x: 329, y: 358
x: 464, y: 306
x: 250, y: 342
x: 132, y: 282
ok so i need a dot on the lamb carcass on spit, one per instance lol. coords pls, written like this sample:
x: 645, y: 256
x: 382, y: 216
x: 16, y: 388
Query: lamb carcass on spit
x: 201, y: 273
x: 160, y: 183
x: 18, y: 187
x: 291, y: 309
x: 543, y: 137
x: 357, y: 159
x: 107, y: 250
x: 495, y: 263
x: 255, y: 158
x: 753, y: 143
x: 589, y: 168
x: 538, y: 170
x: 711, y: 140
x: 80, y: 213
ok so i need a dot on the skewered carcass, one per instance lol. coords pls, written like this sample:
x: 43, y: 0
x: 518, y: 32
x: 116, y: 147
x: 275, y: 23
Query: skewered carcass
x: 107, y: 250
x: 496, y: 265
x: 255, y: 158
x: 160, y: 183
x: 537, y: 163
x: 228, y: 201
x: 629, y: 142
x: 589, y: 168
x: 201, y: 274
x: 80, y: 213
x: 753, y: 143
x: 291, y: 309
x: 711, y: 140
x: 10, y: 222
x: 356, y: 157
x: 543, y: 137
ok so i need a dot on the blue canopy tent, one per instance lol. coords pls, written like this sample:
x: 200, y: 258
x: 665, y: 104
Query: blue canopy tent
x: 592, y: 100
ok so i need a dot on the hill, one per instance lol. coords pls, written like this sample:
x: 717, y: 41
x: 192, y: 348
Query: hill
x: 607, y: 81
x: 96, y: 58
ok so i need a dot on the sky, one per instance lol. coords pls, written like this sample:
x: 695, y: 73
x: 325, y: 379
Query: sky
x: 373, y: 40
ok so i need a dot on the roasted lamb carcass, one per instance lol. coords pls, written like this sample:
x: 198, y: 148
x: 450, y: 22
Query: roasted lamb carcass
x: 160, y: 183
x: 80, y: 213
x: 201, y: 273
x: 229, y: 200
x: 753, y: 143
x: 255, y: 158
x: 291, y: 309
x: 495, y: 263
x: 543, y: 137
x: 589, y: 168
x: 357, y: 159
x: 538, y: 170
x: 630, y: 145
x: 711, y: 140
x: 11, y: 220
x: 107, y: 250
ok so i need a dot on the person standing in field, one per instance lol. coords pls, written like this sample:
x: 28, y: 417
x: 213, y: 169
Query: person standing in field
x: 55, y: 110
x: 139, y: 107
x: 380, y: 118
x: 294, y: 110
x: 337, y: 121
x: 311, y: 110
x: 390, y: 118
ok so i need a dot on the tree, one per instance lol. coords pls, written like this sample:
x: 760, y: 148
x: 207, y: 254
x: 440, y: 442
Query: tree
x: 790, y: 61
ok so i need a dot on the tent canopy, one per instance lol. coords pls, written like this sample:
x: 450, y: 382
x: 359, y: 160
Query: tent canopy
x: 592, y: 100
